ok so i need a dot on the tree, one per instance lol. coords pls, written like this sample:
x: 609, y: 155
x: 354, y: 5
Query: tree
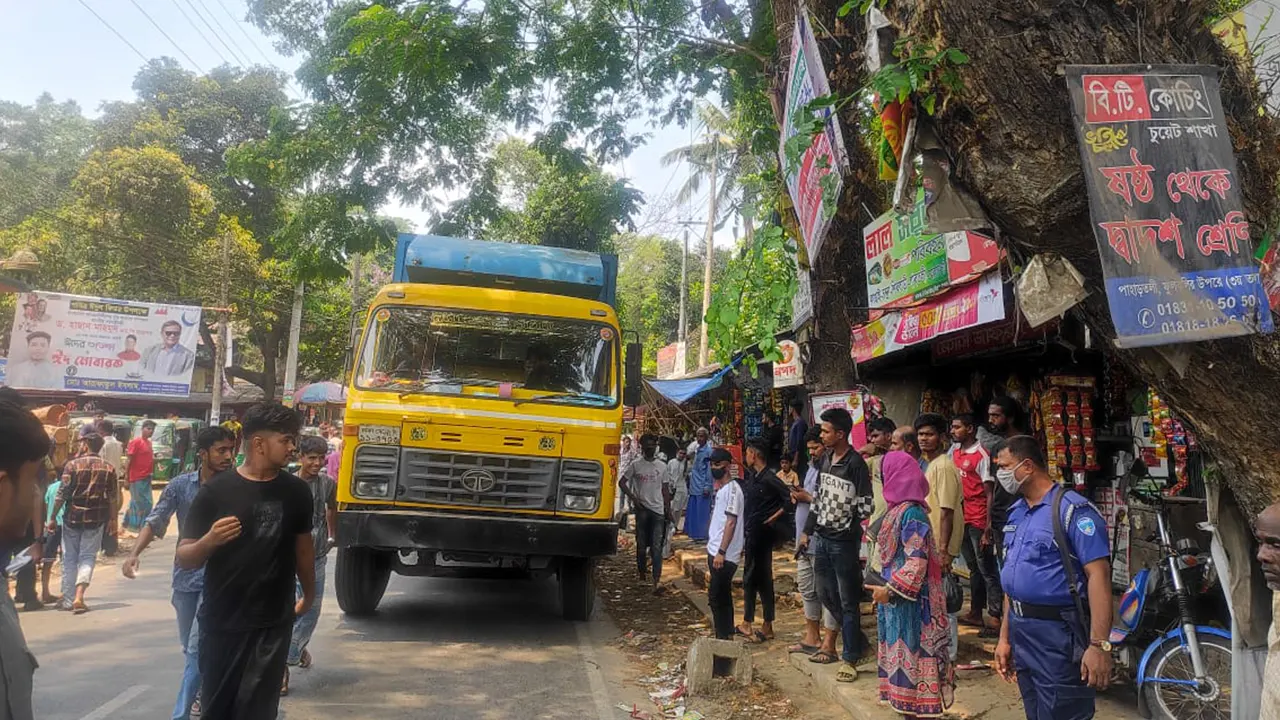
x: 41, y: 148
x: 734, y: 161
x: 554, y: 197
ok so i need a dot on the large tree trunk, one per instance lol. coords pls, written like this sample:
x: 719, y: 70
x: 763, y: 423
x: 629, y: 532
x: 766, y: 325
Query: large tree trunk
x: 1013, y: 143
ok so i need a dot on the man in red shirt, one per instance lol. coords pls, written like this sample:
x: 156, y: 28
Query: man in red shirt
x: 139, y: 460
x: 979, y: 553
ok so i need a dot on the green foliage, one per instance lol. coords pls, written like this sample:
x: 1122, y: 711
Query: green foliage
x: 862, y: 6
x: 41, y: 148
x: 922, y: 71
x: 752, y: 300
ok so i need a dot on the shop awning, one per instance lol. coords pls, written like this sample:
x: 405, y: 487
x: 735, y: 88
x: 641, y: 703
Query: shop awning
x: 680, y: 391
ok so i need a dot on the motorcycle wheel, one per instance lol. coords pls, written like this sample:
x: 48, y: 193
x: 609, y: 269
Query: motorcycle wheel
x: 1179, y: 702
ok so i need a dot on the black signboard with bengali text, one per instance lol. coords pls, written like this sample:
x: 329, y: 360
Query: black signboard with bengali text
x: 1165, y: 203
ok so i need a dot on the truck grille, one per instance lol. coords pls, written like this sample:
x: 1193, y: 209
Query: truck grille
x: 498, y: 481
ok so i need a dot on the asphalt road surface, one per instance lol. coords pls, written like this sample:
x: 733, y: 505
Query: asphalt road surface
x: 438, y: 648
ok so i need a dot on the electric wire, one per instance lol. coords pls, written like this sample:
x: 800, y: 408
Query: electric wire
x: 116, y: 32
x: 172, y: 42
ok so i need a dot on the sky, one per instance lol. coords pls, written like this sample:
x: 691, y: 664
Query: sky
x: 62, y: 47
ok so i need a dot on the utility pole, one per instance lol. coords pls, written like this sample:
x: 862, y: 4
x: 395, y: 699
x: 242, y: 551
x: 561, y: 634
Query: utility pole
x: 683, y: 331
x: 703, y: 350
x: 291, y: 359
x: 220, y: 347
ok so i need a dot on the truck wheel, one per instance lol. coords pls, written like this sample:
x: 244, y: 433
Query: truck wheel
x: 577, y: 588
x: 362, y: 576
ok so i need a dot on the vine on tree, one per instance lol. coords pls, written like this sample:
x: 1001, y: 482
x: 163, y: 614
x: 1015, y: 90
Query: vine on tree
x: 753, y: 298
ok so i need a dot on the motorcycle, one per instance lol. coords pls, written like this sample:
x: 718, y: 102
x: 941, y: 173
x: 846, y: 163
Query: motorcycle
x: 1182, y: 669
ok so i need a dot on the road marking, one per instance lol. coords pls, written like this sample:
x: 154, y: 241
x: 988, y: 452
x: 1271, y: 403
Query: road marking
x: 116, y: 703
x: 599, y: 693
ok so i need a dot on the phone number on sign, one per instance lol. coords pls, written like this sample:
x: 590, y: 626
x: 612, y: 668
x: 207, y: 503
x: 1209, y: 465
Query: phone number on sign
x: 1205, y: 313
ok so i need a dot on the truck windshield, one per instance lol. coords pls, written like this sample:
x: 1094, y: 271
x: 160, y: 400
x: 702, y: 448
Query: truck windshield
x: 412, y: 350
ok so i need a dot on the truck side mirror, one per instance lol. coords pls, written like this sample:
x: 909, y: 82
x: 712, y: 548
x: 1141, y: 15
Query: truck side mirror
x: 353, y: 337
x: 631, y: 388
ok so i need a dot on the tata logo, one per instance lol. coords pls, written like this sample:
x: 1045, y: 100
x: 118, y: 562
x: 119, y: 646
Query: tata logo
x: 478, y: 481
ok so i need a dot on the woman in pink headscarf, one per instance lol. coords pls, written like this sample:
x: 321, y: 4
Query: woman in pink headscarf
x: 917, y: 678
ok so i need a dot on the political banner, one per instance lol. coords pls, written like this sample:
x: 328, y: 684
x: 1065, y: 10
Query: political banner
x: 807, y: 81
x: 906, y: 263
x: 70, y: 342
x: 1165, y: 201
x: 967, y: 306
x: 850, y: 400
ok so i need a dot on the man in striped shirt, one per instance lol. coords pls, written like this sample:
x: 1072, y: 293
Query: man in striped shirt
x: 88, y: 492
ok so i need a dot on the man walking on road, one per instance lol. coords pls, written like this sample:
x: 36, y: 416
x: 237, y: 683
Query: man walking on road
x: 1054, y: 641
x: 139, y: 462
x: 324, y: 525
x: 88, y: 492
x: 645, y: 483
x: 766, y: 499
x: 215, y: 447
x: 22, y: 453
x: 250, y: 527
x: 834, y: 528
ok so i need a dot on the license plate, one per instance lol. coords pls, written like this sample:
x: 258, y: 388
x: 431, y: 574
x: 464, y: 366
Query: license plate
x: 380, y: 434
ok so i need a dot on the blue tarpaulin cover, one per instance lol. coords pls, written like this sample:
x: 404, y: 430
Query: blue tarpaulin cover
x: 679, y: 391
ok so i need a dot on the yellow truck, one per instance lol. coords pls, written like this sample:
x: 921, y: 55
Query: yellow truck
x: 483, y: 420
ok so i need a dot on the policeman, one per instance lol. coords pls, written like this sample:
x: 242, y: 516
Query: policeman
x: 1053, y: 641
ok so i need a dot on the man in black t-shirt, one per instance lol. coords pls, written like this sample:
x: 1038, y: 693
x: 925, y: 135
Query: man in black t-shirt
x: 251, y: 529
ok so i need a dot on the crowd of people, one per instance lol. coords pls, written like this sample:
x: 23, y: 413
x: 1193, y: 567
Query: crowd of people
x: 918, y: 496
x: 248, y: 572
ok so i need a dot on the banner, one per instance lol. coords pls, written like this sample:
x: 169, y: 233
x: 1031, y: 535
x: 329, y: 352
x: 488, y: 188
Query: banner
x: 802, y: 301
x: 667, y: 361
x: 807, y: 80
x: 850, y: 400
x: 1005, y: 335
x: 789, y: 371
x: 963, y: 307
x: 1165, y: 201
x: 906, y: 263
x: 69, y: 342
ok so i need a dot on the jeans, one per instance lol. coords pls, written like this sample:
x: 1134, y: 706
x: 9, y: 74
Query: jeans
x: 720, y: 597
x: 757, y: 575
x: 187, y: 604
x: 839, y: 574
x: 79, y: 553
x: 984, y: 579
x: 305, y: 624
x: 807, y: 581
x: 650, y: 536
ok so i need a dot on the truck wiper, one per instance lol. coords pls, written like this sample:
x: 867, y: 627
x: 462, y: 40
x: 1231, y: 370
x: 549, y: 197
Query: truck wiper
x: 421, y: 385
x: 565, y: 396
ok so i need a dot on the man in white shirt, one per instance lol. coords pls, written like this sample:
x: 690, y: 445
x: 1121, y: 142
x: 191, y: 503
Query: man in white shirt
x: 677, y: 469
x: 36, y: 372
x: 724, y: 547
x: 645, y: 483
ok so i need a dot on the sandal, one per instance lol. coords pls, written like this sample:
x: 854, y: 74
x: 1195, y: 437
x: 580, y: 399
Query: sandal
x: 284, y: 685
x: 79, y: 608
x: 803, y: 649
x: 847, y: 673
x: 822, y: 657
x: 304, y: 660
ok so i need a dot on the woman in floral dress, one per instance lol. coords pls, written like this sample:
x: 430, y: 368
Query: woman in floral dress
x: 917, y: 678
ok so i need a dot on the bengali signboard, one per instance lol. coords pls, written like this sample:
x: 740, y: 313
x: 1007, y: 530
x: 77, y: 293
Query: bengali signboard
x: 802, y: 301
x: 1008, y: 334
x: 906, y: 263
x: 667, y: 361
x: 807, y: 80
x: 789, y: 370
x: 69, y: 342
x: 850, y: 400
x: 967, y: 306
x: 1165, y: 201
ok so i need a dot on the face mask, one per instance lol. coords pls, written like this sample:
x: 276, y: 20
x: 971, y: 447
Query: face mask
x: 718, y: 473
x: 649, y: 453
x: 1007, y: 480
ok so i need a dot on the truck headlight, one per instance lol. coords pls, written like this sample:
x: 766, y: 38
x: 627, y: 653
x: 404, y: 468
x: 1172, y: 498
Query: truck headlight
x: 580, y: 486
x: 579, y: 503
x: 373, y: 475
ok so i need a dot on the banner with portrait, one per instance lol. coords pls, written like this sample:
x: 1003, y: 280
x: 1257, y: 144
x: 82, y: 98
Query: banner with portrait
x: 71, y: 342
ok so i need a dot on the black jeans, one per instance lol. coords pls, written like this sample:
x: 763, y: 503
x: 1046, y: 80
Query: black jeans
x: 651, y: 534
x: 241, y: 672
x: 839, y: 572
x: 720, y: 597
x: 757, y: 575
x: 984, y: 578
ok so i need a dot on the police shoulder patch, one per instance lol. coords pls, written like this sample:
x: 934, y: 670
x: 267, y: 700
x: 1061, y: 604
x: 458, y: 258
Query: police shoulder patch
x: 1086, y: 526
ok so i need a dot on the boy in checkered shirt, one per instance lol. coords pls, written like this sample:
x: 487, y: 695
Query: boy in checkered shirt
x: 833, y: 536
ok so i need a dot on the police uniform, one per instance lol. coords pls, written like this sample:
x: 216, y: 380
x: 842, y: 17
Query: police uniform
x: 1046, y: 631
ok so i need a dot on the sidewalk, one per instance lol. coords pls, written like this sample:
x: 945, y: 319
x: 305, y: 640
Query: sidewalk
x: 979, y: 693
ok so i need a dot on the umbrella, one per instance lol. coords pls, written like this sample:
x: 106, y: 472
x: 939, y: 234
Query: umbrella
x: 321, y: 392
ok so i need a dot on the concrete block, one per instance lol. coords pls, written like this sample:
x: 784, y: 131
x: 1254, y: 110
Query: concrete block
x: 710, y: 658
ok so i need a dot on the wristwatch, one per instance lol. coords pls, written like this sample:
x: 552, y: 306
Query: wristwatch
x: 1103, y: 645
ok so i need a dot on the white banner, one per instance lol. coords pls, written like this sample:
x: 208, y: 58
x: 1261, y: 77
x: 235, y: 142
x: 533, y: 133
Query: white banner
x: 70, y: 342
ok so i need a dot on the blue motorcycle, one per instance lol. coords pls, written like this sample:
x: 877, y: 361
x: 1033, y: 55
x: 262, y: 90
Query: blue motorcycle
x: 1182, y: 668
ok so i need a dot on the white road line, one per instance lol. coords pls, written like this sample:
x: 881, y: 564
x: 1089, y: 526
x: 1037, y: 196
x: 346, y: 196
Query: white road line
x: 116, y: 703
x: 599, y: 693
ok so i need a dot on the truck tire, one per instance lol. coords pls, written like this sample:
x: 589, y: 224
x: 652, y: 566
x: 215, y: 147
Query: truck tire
x: 362, y: 576
x: 577, y: 588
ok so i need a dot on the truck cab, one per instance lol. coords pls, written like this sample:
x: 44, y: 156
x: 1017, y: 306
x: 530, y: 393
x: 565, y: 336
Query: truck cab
x: 483, y: 420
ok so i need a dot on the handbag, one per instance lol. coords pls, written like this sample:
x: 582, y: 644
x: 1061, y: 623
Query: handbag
x: 955, y: 593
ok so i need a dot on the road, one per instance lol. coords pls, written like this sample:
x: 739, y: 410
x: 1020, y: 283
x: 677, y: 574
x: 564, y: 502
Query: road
x: 438, y: 648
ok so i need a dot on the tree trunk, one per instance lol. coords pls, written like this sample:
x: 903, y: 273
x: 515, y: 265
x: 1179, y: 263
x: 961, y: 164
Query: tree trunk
x: 1011, y: 136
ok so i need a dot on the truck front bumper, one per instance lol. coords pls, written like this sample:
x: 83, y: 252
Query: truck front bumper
x: 417, y: 530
